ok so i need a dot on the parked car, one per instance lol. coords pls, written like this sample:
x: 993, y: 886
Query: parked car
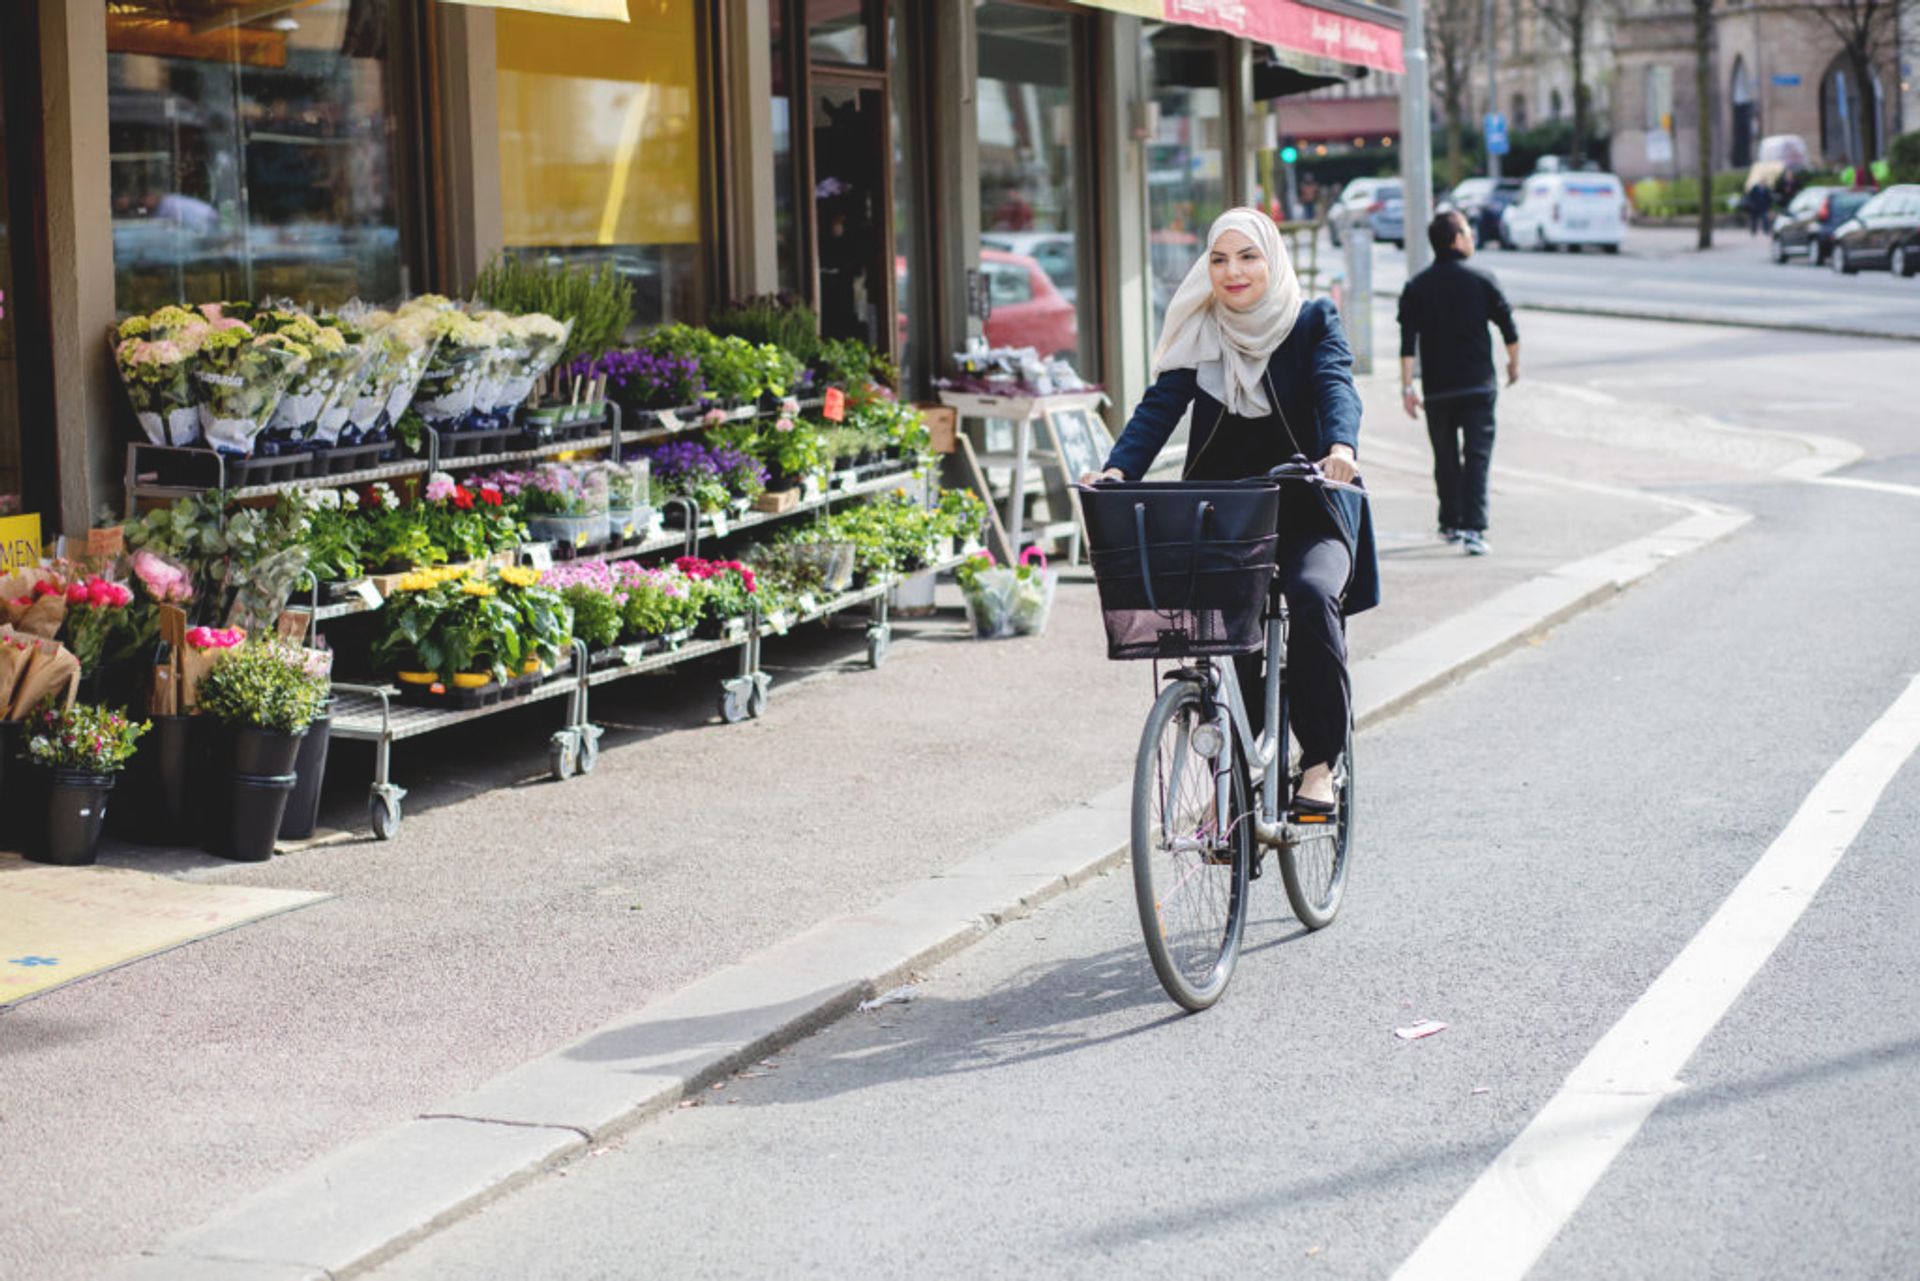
x: 1809, y: 222
x: 1481, y: 200
x: 1025, y: 309
x: 1373, y: 201
x: 1570, y: 210
x: 1053, y: 250
x: 1884, y: 232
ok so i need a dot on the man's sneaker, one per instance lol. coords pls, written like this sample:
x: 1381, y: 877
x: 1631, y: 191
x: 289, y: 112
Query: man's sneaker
x: 1451, y: 535
x: 1475, y: 542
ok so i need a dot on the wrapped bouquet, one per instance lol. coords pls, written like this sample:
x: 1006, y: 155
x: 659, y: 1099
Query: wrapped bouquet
x: 154, y: 354
x: 239, y: 378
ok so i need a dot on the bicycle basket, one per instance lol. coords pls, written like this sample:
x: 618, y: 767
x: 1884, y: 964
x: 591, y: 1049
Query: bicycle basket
x: 1183, y: 568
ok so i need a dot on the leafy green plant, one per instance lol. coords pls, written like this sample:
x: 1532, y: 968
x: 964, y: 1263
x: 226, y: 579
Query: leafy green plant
x: 780, y: 319
x: 844, y: 362
x: 264, y: 684
x: 597, y: 616
x: 597, y: 299
x: 1903, y: 158
x: 85, y: 738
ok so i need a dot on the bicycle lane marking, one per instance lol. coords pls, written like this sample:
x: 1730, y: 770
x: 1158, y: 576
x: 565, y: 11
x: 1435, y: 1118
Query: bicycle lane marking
x: 1512, y: 1212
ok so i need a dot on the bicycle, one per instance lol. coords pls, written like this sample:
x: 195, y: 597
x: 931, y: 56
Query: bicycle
x: 1200, y: 829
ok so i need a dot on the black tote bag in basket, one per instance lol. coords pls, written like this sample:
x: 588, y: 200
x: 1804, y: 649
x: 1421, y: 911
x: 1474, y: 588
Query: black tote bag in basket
x: 1183, y: 567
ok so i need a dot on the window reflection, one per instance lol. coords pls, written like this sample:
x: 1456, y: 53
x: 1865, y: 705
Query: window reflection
x: 10, y: 478
x: 1186, y: 159
x: 253, y: 158
x: 599, y: 146
x: 1029, y: 122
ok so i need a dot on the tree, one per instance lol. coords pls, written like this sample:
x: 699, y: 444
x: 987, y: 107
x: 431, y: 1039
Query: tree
x: 1453, y: 42
x: 1571, y: 19
x: 1868, y: 31
x: 1703, y: 108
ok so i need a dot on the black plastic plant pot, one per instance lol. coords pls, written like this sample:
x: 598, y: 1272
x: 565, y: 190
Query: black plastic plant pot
x: 156, y: 805
x: 256, y: 806
x: 310, y: 768
x: 265, y: 753
x: 76, y: 810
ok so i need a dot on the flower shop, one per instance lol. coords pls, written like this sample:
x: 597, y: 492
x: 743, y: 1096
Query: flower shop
x: 372, y: 523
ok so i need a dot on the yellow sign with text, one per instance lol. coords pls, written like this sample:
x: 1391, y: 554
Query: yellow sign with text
x: 19, y: 543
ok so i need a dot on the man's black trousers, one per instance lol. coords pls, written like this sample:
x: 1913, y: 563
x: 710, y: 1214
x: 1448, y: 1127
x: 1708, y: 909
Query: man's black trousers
x: 1461, y: 430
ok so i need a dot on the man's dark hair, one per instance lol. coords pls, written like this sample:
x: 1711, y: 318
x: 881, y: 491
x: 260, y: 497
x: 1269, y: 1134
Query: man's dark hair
x: 1446, y: 224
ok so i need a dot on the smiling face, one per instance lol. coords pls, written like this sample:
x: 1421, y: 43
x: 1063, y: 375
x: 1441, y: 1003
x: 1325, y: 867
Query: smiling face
x: 1238, y: 271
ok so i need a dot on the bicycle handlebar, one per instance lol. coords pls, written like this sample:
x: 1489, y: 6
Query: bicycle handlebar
x: 1299, y: 469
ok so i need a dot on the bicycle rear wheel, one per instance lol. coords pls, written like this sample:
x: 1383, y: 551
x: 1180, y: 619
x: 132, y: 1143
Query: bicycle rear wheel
x: 1314, y: 863
x: 1189, y: 863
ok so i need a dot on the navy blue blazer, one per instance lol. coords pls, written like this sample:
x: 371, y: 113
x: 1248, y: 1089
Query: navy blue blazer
x: 1311, y: 374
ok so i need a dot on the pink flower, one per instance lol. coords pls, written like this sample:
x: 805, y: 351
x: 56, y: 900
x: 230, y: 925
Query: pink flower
x: 440, y: 488
x: 163, y: 580
x: 76, y: 593
x: 783, y: 423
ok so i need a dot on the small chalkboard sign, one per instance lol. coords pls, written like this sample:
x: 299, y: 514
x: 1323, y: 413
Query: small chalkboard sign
x: 1080, y: 441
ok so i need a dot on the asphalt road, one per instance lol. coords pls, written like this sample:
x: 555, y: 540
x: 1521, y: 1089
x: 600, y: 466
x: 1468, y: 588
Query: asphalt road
x: 1536, y: 845
x: 1659, y: 271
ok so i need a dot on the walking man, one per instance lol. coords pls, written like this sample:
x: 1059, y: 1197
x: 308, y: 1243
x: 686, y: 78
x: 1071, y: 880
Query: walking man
x: 1444, y: 314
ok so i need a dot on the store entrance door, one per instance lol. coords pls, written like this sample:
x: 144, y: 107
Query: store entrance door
x: 853, y: 203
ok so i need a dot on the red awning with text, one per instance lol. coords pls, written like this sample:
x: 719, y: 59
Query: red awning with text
x: 1285, y: 23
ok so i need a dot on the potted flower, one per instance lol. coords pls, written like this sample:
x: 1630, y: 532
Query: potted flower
x: 725, y: 589
x: 85, y: 747
x: 266, y: 694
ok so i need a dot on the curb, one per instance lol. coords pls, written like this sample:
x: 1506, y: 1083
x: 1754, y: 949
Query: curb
x: 367, y: 1202
x: 1708, y: 318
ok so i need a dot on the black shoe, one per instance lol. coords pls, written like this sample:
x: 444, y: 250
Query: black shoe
x: 1307, y: 806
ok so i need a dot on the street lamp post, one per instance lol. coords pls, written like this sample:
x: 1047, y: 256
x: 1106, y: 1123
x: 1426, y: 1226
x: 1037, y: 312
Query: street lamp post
x: 1487, y: 15
x: 1416, y: 151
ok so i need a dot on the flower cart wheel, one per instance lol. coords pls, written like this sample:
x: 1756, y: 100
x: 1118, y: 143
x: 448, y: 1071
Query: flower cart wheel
x: 757, y: 698
x: 733, y: 703
x: 562, y: 755
x: 877, y: 639
x: 383, y: 811
x: 589, y: 754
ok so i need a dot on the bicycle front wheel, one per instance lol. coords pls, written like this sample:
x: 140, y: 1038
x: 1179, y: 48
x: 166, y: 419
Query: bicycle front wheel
x: 1189, y: 861
x: 1314, y: 862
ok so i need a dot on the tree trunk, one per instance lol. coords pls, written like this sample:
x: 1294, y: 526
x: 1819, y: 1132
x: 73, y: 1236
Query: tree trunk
x: 1702, y: 89
x: 1456, y: 157
x: 1579, y: 52
x: 1861, y: 69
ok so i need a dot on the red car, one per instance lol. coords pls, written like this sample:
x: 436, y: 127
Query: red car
x: 1026, y: 309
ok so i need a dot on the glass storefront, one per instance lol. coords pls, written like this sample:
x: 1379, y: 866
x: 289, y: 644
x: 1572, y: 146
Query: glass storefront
x: 600, y: 146
x: 1187, y: 157
x: 254, y: 150
x: 1032, y: 132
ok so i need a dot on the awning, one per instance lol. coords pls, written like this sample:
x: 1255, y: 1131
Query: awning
x: 609, y: 10
x: 1285, y: 24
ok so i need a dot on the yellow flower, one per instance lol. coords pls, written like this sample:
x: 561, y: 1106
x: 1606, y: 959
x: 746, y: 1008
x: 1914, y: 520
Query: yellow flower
x: 476, y: 589
x: 519, y: 576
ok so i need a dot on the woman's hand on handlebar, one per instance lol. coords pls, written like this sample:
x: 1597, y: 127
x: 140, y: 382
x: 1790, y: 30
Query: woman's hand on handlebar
x: 1338, y: 465
x: 1095, y: 477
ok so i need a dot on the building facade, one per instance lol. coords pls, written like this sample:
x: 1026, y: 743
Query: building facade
x: 902, y: 164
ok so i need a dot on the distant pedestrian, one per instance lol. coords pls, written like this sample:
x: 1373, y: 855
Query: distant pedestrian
x: 1444, y: 314
x: 1759, y: 207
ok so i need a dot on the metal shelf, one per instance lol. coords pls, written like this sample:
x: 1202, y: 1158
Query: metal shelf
x: 365, y: 716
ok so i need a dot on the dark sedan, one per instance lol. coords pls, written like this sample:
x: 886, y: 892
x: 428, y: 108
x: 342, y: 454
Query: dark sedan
x: 1808, y: 225
x: 1884, y: 232
x: 1481, y: 200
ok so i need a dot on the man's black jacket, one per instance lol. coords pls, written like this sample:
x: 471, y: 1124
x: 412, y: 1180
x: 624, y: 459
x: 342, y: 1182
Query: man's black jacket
x: 1444, y: 313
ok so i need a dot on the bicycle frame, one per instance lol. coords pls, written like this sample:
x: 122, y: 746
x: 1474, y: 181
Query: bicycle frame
x: 1263, y: 751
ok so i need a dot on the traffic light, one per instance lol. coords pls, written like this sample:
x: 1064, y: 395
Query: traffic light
x: 1288, y: 151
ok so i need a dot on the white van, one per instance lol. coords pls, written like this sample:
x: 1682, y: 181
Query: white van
x: 1574, y: 209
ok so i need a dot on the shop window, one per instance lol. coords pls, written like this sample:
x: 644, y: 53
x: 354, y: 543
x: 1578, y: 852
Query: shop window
x: 255, y: 156
x: 600, y: 146
x: 786, y: 209
x: 1186, y: 159
x: 12, y: 483
x: 1033, y: 138
x: 840, y: 31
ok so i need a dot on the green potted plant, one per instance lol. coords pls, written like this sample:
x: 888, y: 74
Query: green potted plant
x: 266, y: 694
x: 85, y: 747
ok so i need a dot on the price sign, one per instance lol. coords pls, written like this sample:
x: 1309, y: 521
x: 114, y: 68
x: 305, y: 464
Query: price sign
x: 719, y: 524
x: 668, y: 419
x: 367, y: 594
x: 539, y: 556
x: 19, y: 543
x: 835, y: 410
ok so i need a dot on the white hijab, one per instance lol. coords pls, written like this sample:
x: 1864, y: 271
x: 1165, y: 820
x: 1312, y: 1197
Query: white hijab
x: 1229, y: 349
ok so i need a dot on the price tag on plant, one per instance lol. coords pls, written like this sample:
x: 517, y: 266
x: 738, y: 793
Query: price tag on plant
x: 668, y: 419
x: 719, y: 524
x: 835, y: 408
x: 539, y: 556
x: 367, y: 594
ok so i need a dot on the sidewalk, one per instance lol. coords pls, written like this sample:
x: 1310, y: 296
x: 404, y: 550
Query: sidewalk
x: 503, y: 923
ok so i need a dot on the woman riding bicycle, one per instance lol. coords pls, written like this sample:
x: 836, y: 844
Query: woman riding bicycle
x: 1269, y: 376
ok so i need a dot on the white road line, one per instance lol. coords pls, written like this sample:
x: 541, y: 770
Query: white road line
x: 1507, y: 1218
x: 1879, y: 486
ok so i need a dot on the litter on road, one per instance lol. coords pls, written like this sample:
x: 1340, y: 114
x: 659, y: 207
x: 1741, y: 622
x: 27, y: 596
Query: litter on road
x: 898, y: 996
x: 1426, y: 1027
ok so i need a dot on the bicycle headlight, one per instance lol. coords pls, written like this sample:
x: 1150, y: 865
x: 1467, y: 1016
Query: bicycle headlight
x: 1208, y: 741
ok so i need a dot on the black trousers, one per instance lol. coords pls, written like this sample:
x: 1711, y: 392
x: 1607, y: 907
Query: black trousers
x: 1461, y: 431
x: 1313, y: 569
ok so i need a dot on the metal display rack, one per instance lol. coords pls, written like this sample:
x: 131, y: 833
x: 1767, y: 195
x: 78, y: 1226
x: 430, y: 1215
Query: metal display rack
x: 379, y: 713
